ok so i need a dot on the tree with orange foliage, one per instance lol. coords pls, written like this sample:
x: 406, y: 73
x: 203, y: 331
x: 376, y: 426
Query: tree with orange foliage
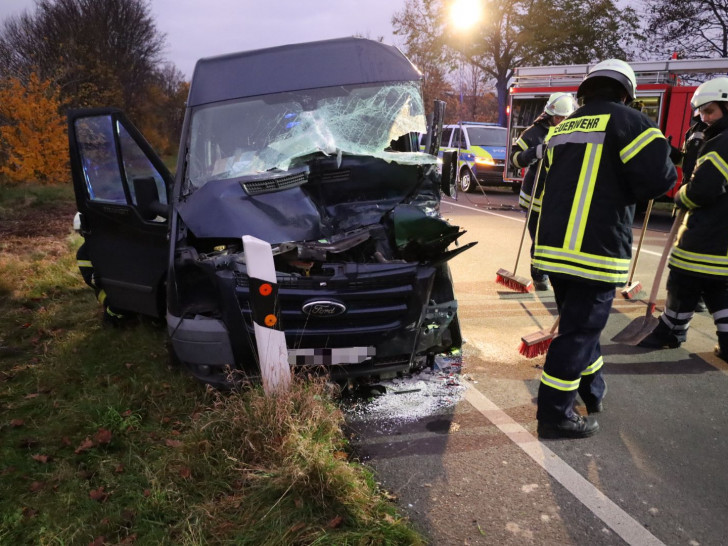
x: 33, y: 132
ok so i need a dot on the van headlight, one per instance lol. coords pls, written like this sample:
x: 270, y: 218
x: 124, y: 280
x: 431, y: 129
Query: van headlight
x: 485, y: 161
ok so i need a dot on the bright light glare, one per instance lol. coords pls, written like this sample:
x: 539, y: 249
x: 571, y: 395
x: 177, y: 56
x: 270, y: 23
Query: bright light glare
x: 465, y: 14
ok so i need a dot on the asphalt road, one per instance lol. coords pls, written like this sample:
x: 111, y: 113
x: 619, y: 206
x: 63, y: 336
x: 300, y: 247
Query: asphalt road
x: 475, y: 472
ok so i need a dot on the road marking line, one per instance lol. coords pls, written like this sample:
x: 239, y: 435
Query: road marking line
x: 522, y: 220
x: 612, y: 515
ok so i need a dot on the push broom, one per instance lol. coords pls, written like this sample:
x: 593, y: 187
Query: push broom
x: 633, y: 288
x: 537, y: 343
x: 510, y: 279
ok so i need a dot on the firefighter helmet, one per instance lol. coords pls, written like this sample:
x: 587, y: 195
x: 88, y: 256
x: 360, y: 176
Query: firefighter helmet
x: 614, y: 69
x: 560, y: 104
x: 715, y: 90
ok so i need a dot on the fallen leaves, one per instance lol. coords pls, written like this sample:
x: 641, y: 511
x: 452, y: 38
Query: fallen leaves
x: 84, y: 446
x: 103, y: 436
x: 15, y: 423
x: 41, y: 458
x: 172, y: 443
x: 99, y: 494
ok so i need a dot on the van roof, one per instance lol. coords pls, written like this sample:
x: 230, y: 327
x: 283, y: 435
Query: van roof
x: 326, y: 63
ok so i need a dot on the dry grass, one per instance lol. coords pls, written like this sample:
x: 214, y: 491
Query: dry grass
x: 103, y: 442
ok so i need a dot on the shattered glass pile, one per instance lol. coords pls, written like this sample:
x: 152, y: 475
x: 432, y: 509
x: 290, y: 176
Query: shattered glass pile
x: 412, y: 397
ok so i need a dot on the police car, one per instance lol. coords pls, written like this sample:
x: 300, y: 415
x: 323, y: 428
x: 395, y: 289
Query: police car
x: 482, y: 156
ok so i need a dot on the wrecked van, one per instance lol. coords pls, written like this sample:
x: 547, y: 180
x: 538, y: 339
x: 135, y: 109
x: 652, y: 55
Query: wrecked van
x: 312, y: 148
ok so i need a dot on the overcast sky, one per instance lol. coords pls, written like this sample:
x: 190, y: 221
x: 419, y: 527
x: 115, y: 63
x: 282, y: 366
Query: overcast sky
x: 202, y: 28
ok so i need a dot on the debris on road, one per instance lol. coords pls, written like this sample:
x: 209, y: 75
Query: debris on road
x: 411, y: 397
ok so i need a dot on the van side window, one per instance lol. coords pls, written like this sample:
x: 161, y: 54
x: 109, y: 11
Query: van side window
x: 99, y: 159
x: 446, y: 132
x: 458, y: 141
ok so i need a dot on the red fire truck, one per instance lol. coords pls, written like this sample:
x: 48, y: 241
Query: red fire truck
x: 661, y: 94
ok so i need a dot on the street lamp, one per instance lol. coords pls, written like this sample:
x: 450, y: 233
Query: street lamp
x: 465, y: 14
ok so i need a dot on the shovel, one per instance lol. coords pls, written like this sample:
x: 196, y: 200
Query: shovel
x: 641, y: 327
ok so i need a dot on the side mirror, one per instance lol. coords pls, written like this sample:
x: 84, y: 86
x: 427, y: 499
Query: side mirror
x: 448, y: 180
x: 147, y: 199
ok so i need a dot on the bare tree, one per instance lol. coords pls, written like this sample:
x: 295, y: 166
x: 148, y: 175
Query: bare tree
x: 99, y: 52
x: 522, y: 32
x: 690, y: 28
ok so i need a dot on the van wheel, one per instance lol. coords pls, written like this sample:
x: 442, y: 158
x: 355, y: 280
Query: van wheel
x: 466, y: 181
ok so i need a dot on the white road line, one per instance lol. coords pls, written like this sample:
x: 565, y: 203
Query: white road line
x: 612, y: 515
x: 522, y: 220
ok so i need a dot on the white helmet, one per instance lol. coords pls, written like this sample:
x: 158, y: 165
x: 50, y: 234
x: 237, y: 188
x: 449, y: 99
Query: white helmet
x: 715, y: 90
x: 560, y: 104
x: 615, y: 69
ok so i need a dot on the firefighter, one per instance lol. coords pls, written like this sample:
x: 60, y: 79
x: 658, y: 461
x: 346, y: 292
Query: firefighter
x: 699, y: 260
x: 112, y: 316
x: 600, y: 161
x: 529, y: 151
x: 687, y: 157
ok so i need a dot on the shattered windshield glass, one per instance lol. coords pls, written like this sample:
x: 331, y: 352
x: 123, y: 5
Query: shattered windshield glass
x: 257, y: 134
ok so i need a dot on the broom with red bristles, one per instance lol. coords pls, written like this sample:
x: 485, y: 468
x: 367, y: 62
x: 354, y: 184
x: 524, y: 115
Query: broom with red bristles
x: 537, y: 343
x: 510, y: 279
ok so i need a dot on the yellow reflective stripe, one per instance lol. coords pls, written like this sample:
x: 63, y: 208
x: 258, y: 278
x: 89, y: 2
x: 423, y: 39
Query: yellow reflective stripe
x: 593, y: 260
x: 84, y: 263
x: 101, y: 297
x: 716, y: 160
x: 580, y: 271
x: 111, y: 313
x: 522, y: 144
x: 594, y: 366
x: 585, y: 124
x: 695, y: 256
x: 682, y: 194
x: 582, y: 200
x: 560, y: 384
x: 697, y: 268
x: 708, y: 264
x: 634, y: 147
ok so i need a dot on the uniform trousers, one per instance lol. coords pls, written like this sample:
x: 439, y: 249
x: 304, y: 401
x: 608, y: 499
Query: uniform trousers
x: 574, y: 358
x: 683, y: 292
x: 536, y: 274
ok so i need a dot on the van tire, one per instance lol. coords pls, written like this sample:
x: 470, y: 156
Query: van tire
x: 466, y: 180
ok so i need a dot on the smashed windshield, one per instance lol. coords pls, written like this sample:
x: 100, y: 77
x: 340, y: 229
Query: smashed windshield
x: 487, y: 136
x: 257, y: 134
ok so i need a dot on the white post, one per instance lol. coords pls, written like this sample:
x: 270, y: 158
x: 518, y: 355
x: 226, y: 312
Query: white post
x: 269, y: 337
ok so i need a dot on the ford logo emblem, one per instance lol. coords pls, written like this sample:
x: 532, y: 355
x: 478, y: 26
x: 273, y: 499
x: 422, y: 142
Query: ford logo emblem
x: 324, y: 308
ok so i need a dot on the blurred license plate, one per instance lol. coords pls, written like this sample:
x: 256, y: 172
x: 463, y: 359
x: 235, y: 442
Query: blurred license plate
x: 330, y: 357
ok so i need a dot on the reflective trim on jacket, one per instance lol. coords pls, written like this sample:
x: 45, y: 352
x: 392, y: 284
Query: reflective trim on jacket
x: 600, y: 161
x: 702, y: 242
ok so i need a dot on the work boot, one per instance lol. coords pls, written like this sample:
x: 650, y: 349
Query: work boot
x: 541, y: 286
x: 574, y: 426
x: 700, y: 307
x: 657, y: 341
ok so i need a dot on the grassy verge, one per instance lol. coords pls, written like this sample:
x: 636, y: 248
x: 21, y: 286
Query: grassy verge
x: 103, y: 442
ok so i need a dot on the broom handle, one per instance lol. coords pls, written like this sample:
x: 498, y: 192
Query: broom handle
x: 642, y: 237
x: 528, y: 214
x: 663, y: 260
x: 556, y: 325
